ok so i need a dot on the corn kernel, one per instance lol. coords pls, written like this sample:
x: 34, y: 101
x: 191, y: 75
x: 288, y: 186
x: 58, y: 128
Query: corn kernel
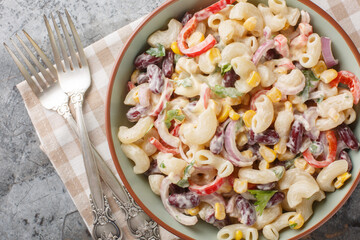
x: 224, y: 113
x: 328, y: 75
x: 254, y: 79
x: 247, y: 153
x: 288, y: 106
x: 195, y: 39
x: 214, y: 55
x: 334, y: 115
x: 240, y: 186
x: 250, y: 23
x: 220, y: 211
x: 238, y: 235
x: 175, y: 48
x: 319, y: 68
x: 134, y: 76
x: 248, y: 116
x: 274, y: 94
x: 175, y: 76
x: 234, y: 115
x: 193, y: 211
x: 300, y: 163
x: 263, y: 165
x: 267, y: 153
x: 296, y: 221
x: 136, y: 96
x: 341, y: 180
x: 301, y: 107
x: 241, y: 139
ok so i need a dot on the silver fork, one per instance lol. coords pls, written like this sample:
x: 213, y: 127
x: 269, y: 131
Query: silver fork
x: 51, y: 96
x: 74, y: 77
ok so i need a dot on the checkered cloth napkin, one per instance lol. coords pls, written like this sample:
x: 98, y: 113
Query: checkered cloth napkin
x: 61, y: 145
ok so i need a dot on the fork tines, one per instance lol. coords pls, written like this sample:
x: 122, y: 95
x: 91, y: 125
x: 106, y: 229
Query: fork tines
x: 39, y: 81
x: 75, y: 62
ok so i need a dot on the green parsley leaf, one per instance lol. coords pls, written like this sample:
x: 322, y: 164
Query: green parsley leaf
x: 279, y: 171
x: 262, y: 198
x: 319, y: 100
x: 309, y: 78
x: 162, y: 165
x: 173, y: 114
x: 185, y: 82
x: 225, y: 68
x: 292, y: 226
x: 313, y: 148
x: 289, y: 164
x: 158, y: 51
x: 184, y: 182
x: 224, y: 92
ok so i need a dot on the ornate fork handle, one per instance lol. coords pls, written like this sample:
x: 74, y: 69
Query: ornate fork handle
x: 139, y: 223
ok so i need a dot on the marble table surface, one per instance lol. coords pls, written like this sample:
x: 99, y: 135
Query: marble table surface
x: 34, y: 203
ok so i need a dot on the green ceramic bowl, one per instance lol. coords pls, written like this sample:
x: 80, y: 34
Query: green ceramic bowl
x: 138, y: 185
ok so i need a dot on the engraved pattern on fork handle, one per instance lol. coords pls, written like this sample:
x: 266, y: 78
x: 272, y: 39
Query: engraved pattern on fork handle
x: 147, y: 229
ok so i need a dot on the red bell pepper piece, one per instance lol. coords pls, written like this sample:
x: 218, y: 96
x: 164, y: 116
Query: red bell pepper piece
x: 162, y: 148
x: 199, y: 49
x: 349, y: 79
x: 216, y: 7
x: 175, y: 130
x: 205, y: 94
x: 331, y: 138
x: 208, y: 188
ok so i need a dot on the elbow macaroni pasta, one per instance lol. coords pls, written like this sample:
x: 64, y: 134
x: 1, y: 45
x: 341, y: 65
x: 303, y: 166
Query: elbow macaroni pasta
x: 228, y: 232
x: 328, y: 174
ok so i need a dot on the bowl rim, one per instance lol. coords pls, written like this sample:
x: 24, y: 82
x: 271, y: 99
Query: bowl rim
x: 115, y: 159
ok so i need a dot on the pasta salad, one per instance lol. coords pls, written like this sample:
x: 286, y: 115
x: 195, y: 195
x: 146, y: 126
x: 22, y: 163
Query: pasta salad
x: 240, y: 118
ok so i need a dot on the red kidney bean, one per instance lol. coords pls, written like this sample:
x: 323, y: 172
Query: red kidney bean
x: 247, y: 211
x: 135, y: 113
x: 276, y: 199
x: 230, y: 78
x: 268, y: 137
x: 217, y: 143
x: 176, y: 189
x: 168, y: 64
x: 348, y: 136
x: 296, y: 136
x: 272, y: 54
x: 184, y: 200
x: 142, y: 78
x: 345, y: 156
x: 187, y: 16
x: 267, y: 186
x: 144, y: 60
x: 156, y: 78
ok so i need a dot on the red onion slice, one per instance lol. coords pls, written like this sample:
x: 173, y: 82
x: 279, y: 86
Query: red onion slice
x: 164, y: 132
x: 174, y: 212
x: 327, y: 54
x: 230, y: 144
x: 266, y: 46
x: 212, y: 199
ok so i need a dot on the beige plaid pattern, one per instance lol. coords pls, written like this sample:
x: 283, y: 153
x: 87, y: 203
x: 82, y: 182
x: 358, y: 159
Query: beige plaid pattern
x: 61, y: 145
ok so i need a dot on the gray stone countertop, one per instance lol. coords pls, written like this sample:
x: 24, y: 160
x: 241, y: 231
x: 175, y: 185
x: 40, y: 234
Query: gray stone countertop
x: 34, y: 203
